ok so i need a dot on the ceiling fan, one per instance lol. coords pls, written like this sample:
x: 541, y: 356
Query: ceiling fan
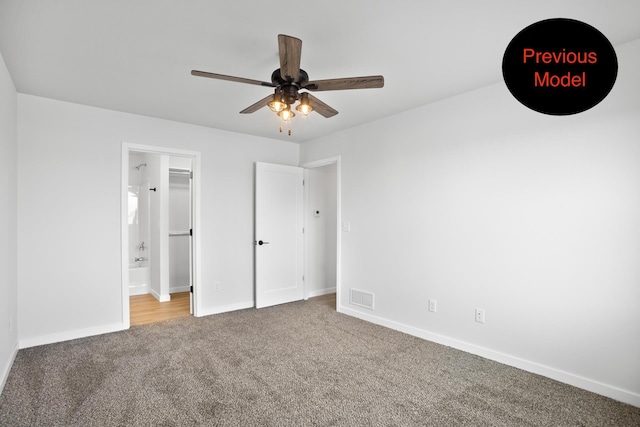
x: 289, y: 82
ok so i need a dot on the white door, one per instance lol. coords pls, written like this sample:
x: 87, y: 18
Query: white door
x: 279, y: 234
x: 191, y: 275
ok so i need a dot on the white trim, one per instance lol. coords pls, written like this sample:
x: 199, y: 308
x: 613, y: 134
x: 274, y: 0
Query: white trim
x: 337, y: 160
x: 616, y: 393
x: 70, y: 335
x: 139, y: 289
x: 124, y: 235
x: 338, y: 230
x: 306, y: 222
x: 227, y: 308
x: 195, y: 225
x: 4, y: 375
x: 195, y: 163
x: 159, y: 297
x: 321, y: 162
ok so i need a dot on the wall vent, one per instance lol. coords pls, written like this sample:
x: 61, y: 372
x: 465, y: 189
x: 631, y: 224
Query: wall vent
x: 361, y: 298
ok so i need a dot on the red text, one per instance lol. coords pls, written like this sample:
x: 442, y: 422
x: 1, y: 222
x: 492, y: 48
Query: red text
x: 567, y: 80
x: 562, y: 57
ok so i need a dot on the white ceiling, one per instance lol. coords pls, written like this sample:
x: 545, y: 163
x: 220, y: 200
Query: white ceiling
x: 136, y: 55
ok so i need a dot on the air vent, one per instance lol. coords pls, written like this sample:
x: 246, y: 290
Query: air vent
x: 361, y: 298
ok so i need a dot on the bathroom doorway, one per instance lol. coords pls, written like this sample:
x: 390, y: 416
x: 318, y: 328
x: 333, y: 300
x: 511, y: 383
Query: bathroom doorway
x: 159, y: 234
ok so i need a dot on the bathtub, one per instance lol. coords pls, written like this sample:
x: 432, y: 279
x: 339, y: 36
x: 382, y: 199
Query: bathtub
x: 139, y: 277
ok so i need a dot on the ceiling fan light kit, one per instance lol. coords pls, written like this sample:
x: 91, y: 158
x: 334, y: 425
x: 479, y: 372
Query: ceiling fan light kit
x: 287, y: 114
x: 277, y: 104
x: 289, y: 81
x: 304, y: 107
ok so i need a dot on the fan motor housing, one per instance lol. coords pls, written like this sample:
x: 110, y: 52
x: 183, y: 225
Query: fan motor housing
x: 290, y: 93
x: 278, y: 80
x: 289, y: 88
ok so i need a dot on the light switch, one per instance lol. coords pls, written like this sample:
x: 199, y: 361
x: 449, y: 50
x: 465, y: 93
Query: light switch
x: 346, y: 226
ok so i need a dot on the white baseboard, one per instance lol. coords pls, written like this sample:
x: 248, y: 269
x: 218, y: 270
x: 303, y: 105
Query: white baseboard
x: 69, y: 335
x: 556, y: 374
x: 138, y: 289
x: 160, y: 298
x: 4, y: 374
x: 319, y: 292
x: 226, y: 308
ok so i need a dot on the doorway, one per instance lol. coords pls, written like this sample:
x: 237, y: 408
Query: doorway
x: 160, y: 213
x: 297, y: 238
x: 322, y: 229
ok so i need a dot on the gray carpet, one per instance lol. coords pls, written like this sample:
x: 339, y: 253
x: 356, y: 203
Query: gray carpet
x: 299, y: 364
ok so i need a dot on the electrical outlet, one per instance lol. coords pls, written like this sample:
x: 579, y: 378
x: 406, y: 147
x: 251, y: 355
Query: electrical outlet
x: 433, y: 305
x: 480, y: 315
x: 216, y: 286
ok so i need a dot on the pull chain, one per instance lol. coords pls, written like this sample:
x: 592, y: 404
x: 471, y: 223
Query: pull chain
x: 288, y: 131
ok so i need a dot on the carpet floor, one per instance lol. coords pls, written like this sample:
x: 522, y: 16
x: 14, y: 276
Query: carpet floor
x: 298, y: 364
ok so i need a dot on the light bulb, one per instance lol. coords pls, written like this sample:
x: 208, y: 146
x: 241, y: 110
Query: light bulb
x: 286, y: 114
x: 276, y: 104
x: 304, y: 107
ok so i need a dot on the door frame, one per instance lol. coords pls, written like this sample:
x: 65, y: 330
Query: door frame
x: 195, y: 156
x: 311, y: 165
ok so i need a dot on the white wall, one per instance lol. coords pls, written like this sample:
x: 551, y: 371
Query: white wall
x: 69, y: 193
x: 476, y: 201
x: 179, y: 222
x: 158, y: 173
x: 8, y: 223
x: 321, y: 185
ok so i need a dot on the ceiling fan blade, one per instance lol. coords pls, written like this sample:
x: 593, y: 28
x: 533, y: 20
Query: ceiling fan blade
x: 368, y: 82
x: 290, y: 52
x: 258, y: 105
x: 320, y: 107
x: 230, y: 78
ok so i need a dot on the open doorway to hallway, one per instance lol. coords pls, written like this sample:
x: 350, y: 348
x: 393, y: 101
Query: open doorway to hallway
x: 322, y: 233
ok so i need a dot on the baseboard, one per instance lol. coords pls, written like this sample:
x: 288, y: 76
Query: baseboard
x: 4, y: 374
x: 69, y: 335
x: 575, y: 380
x: 320, y: 292
x: 177, y: 289
x: 160, y: 298
x: 138, y: 289
x: 226, y: 308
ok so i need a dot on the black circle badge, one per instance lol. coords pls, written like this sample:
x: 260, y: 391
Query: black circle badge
x: 560, y: 66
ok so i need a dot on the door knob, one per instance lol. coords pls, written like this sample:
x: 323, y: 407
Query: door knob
x: 260, y: 242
